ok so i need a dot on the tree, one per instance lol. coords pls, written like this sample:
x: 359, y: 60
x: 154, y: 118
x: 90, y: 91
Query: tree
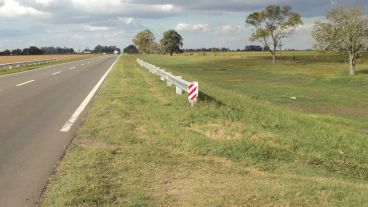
x: 17, y: 52
x: 25, y: 51
x: 143, y: 41
x: 171, y: 42
x: 273, y: 24
x: 6, y: 52
x: 155, y: 48
x: 253, y: 48
x: 35, y: 51
x: 345, y: 31
x: 131, y: 49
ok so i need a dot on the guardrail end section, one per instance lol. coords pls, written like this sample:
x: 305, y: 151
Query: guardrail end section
x: 193, y: 93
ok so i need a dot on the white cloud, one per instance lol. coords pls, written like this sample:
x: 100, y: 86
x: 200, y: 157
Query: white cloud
x: 165, y: 7
x: 97, y: 5
x: 45, y: 2
x: 13, y: 9
x: 193, y: 27
x: 305, y: 27
x: 230, y: 28
x: 92, y: 28
x: 128, y: 21
x: 124, y: 7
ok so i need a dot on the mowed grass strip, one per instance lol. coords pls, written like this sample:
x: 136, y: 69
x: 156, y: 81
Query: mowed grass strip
x: 62, y: 59
x: 141, y: 145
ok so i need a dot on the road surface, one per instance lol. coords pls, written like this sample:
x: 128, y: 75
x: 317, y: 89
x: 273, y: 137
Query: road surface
x: 38, y: 116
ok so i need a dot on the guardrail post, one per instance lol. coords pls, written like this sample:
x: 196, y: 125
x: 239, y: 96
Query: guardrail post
x: 178, y: 90
x: 10, y: 67
x: 168, y: 83
x: 162, y: 75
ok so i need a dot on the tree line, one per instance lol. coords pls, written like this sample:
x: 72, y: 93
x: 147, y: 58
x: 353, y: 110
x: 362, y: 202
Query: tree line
x: 33, y: 50
x: 105, y: 49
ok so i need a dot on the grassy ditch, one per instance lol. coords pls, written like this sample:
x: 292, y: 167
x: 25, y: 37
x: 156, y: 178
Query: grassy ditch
x: 141, y: 145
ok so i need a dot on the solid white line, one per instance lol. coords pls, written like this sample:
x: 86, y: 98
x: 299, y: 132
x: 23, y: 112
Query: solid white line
x: 85, y: 102
x: 56, y: 73
x: 25, y: 83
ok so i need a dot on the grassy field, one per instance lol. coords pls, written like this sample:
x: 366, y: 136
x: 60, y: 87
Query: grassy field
x: 246, y: 143
x: 22, y: 58
x: 319, y: 81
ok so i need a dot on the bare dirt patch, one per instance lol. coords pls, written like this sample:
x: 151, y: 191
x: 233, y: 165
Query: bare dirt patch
x: 223, y: 130
x: 92, y: 144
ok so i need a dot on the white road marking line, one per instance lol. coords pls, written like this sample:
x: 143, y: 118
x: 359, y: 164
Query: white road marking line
x: 85, y: 102
x: 25, y: 83
x: 56, y: 73
x: 72, y: 68
x: 82, y: 64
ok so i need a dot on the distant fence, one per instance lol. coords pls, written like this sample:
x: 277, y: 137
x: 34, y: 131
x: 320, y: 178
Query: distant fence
x: 180, y: 84
x: 22, y: 64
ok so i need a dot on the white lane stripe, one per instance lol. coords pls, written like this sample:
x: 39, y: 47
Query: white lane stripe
x: 72, y: 68
x: 25, y: 83
x: 85, y: 102
x: 56, y: 73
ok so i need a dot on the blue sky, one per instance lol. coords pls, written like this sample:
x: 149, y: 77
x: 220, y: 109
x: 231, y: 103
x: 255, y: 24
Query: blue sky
x: 202, y: 23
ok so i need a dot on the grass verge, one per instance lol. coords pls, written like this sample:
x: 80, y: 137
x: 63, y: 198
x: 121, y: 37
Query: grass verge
x: 141, y: 145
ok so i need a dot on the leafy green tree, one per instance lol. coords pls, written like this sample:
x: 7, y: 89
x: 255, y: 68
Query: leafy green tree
x: 156, y: 48
x: 171, y: 42
x: 33, y: 50
x: 272, y: 25
x: 131, y: 49
x: 143, y: 41
x: 345, y: 31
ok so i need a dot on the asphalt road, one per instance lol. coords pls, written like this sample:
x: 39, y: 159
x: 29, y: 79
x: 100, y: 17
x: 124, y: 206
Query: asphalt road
x: 34, y: 107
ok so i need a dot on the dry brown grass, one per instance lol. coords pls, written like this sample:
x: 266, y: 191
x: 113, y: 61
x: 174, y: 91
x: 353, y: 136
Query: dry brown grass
x: 21, y: 58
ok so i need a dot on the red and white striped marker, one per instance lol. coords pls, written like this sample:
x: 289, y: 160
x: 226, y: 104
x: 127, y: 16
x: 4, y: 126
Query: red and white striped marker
x: 193, y: 92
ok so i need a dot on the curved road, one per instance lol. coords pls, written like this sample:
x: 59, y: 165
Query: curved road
x: 34, y: 107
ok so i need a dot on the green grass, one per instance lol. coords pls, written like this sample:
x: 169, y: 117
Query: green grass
x: 323, y: 88
x: 37, y: 66
x: 141, y: 145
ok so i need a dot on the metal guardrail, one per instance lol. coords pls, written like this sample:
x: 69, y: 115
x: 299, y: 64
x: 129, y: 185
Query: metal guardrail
x: 181, y: 84
x: 20, y: 64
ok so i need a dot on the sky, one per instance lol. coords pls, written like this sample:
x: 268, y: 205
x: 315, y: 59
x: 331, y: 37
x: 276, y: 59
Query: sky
x: 84, y: 24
